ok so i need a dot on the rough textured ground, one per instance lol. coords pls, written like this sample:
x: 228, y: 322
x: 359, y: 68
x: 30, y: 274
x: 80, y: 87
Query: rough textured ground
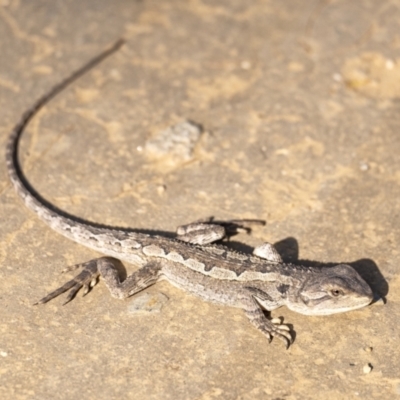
x: 299, y: 102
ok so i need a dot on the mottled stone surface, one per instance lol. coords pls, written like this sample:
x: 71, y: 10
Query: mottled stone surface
x: 299, y: 102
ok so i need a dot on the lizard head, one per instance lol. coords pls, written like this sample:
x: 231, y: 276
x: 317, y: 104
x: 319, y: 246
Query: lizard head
x: 330, y: 291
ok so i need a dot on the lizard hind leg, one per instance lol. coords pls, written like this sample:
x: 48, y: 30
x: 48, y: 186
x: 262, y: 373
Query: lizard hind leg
x: 209, y: 230
x: 200, y: 233
x: 106, y: 267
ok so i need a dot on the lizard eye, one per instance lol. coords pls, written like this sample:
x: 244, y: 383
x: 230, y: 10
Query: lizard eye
x: 336, y: 292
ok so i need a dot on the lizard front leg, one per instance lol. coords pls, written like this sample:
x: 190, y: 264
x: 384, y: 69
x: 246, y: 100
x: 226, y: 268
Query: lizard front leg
x: 206, y: 231
x: 254, y: 312
x: 106, y: 268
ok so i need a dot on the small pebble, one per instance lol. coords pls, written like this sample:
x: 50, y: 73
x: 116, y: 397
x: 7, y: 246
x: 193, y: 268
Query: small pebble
x: 245, y: 65
x: 367, y: 368
x: 177, y: 141
x: 161, y: 189
x: 389, y: 64
x: 337, y: 77
x: 147, y: 303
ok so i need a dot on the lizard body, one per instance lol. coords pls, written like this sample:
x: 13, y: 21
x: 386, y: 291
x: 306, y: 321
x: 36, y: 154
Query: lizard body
x: 191, y: 261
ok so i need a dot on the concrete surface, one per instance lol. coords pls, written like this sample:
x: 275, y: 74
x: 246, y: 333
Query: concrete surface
x: 299, y: 102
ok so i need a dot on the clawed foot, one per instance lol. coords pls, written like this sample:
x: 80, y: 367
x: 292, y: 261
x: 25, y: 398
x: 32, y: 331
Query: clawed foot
x: 84, y: 280
x: 281, y: 331
x: 270, y: 328
x: 235, y: 226
x: 276, y: 329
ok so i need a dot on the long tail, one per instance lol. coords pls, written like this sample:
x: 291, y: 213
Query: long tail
x: 32, y: 199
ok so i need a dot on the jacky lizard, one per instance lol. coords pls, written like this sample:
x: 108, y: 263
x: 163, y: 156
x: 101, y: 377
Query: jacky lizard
x: 257, y: 282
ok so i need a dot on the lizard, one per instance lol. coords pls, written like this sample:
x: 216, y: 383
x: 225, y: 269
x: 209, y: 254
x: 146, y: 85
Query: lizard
x: 194, y: 260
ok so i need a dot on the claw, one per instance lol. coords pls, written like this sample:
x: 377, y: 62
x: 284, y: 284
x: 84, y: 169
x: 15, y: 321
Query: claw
x: 93, y: 282
x: 283, y: 327
x: 282, y: 332
x: 287, y: 339
x: 72, y: 293
x: 86, y: 289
